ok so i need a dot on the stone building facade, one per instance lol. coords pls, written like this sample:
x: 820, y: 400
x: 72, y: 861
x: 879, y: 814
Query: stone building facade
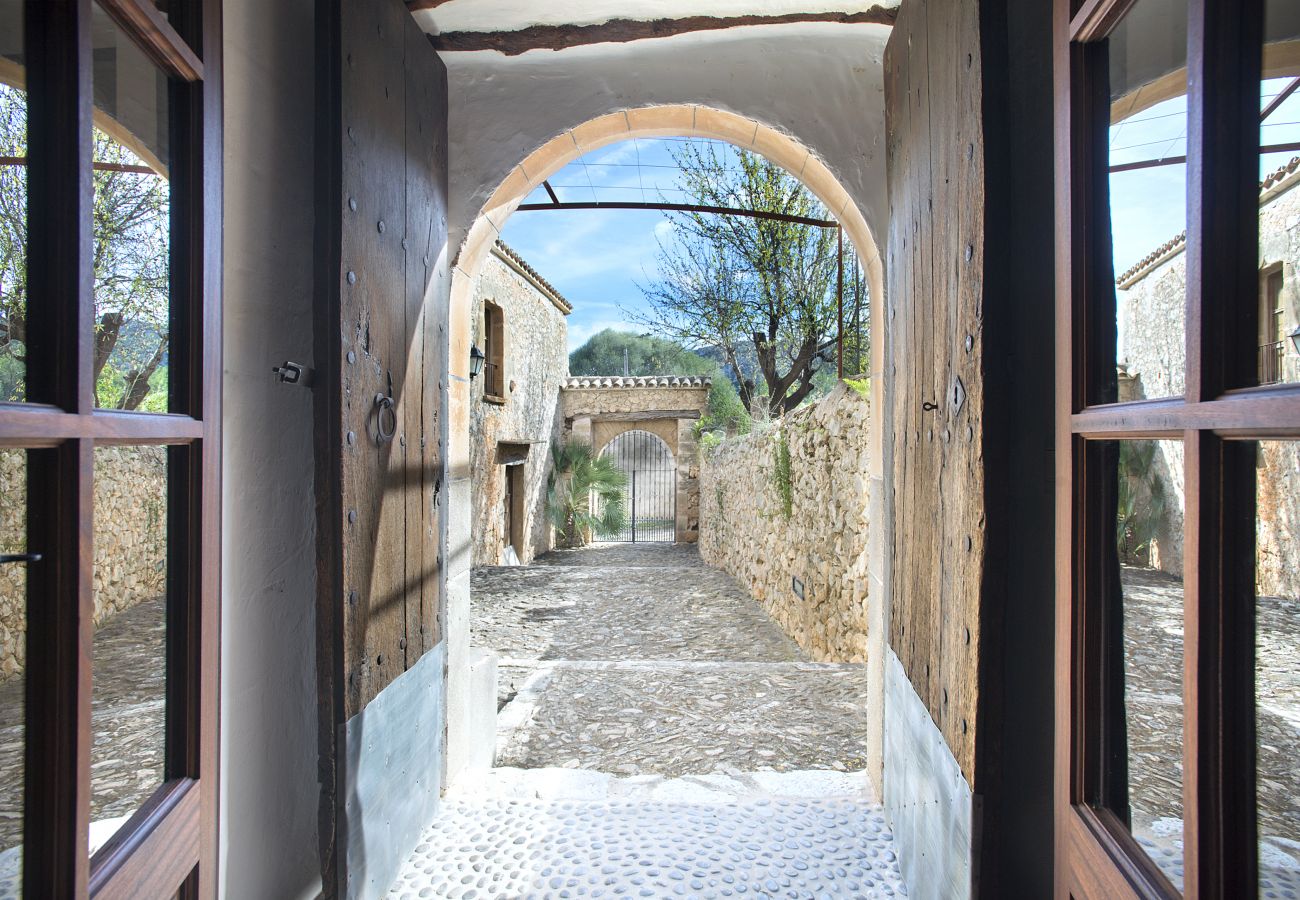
x: 795, y: 534
x: 1152, y: 355
x: 511, y: 431
x: 130, y: 539
x: 599, y: 409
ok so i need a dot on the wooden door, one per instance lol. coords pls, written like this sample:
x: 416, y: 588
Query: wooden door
x: 111, y: 424
x: 1197, y: 409
x: 381, y: 339
x: 934, y: 94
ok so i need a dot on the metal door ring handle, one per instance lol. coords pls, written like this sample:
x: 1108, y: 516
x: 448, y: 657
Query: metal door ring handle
x: 929, y: 407
x: 386, y: 411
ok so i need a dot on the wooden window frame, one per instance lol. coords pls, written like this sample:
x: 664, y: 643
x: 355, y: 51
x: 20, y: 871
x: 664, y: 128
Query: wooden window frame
x: 169, y: 845
x: 494, y: 341
x: 1217, y: 419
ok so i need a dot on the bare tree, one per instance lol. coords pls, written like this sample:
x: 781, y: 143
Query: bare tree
x: 759, y: 291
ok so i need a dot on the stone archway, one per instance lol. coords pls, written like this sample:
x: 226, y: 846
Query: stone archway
x: 640, y: 451
x: 599, y: 410
x: 670, y: 120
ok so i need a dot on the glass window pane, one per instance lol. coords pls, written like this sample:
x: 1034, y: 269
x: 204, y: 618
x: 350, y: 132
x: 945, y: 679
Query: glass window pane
x: 13, y: 205
x: 1143, y: 753
x: 1277, y: 665
x: 128, y: 703
x: 1146, y: 63
x: 132, y: 220
x: 1278, y: 317
x: 13, y: 661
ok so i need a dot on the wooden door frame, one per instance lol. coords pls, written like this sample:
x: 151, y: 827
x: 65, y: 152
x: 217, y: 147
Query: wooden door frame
x: 170, y: 843
x: 1217, y: 420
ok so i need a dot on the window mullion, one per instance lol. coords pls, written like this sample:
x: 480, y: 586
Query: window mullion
x: 1224, y: 37
x: 60, y: 194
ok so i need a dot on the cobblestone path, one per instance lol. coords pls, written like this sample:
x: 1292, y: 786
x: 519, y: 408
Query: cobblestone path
x: 1153, y: 630
x: 127, y: 720
x: 639, y: 659
x: 659, y: 736
x: 127, y: 717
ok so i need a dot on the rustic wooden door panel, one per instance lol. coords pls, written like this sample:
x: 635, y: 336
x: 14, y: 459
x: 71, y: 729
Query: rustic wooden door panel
x: 936, y: 248
x: 381, y: 332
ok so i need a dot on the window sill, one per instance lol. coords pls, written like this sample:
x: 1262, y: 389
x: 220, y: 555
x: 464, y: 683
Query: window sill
x: 494, y: 399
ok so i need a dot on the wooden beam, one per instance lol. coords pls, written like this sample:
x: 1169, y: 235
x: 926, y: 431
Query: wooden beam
x: 417, y: 5
x: 621, y: 31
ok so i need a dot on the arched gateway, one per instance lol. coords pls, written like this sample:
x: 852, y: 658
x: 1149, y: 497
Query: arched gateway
x: 650, y: 497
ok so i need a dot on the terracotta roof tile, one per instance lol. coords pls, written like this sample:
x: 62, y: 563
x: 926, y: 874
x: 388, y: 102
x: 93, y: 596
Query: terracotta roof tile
x: 507, y: 250
x: 580, y: 382
x: 1168, y: 247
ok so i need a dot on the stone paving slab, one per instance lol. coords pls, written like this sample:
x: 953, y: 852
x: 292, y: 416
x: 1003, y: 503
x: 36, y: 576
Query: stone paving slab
x: 688, y: 719
x: 582, y: 612
x: 527, y: 838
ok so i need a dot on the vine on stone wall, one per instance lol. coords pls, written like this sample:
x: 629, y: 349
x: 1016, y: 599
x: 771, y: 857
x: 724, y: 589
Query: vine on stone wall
x: 781, y: 474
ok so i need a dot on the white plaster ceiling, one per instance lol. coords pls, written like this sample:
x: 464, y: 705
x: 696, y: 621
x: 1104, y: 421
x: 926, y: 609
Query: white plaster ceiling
x: 513, y: 15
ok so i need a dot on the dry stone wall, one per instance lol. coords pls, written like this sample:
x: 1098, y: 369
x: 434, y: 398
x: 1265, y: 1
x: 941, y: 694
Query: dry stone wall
x: 767, y: 530
x: 130, y: 539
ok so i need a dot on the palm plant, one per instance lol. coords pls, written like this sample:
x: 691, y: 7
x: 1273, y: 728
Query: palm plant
x: 578, y: 478
x: 1141, y: 504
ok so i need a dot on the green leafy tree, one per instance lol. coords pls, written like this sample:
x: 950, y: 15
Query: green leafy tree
x: 760, y: 292
x: 130, y: 237
x: 603, y: 354
x: 584, y: 494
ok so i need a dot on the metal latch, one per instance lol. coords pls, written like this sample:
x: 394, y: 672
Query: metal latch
x: 294, y: 373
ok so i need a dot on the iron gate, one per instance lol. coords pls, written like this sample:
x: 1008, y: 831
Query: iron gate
x: 651, y: 493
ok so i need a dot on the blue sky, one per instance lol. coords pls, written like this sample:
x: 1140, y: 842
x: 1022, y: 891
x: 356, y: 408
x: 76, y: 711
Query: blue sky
x: 1149, y: 206
x: 597, y: 258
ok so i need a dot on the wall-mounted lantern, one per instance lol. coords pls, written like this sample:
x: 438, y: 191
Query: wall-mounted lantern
x: 1295, y: 339
x: 476, y: 359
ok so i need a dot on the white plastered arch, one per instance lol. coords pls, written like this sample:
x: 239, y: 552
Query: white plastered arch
x: 669, y: 120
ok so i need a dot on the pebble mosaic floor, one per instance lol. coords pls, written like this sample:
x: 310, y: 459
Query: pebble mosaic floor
x: 528, y: 837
